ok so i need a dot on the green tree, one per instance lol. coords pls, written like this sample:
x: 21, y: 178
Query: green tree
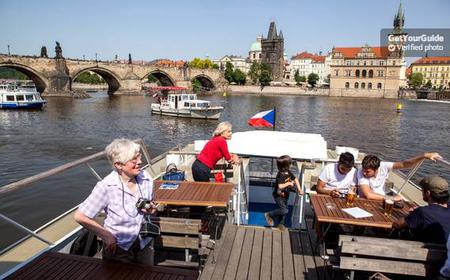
x: 415, y: 80
x: 215, y: 66
x: 9, y: 73
x: 89, y: 78
x: 255, y: 71
x: 297, y: 77
x: 196, y: 85
x: 302, y: 79
x: 265, y: 75
x: 229, y: 72
x: 239, y: 77
x: 429, y: 84
x: 312, y: 79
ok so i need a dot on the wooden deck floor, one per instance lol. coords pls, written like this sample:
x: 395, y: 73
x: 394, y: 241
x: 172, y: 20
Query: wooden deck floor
x: 246, y: 252
x: 63, y: 266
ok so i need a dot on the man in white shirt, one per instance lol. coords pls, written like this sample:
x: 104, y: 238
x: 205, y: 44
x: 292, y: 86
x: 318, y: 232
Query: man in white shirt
x: 337, y: 178
x: 372, y: 177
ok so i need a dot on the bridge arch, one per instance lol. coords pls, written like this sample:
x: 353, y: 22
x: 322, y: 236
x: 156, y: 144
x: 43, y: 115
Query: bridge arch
x: 40, y: 82
x: 206, y: 82
x: 111, y: 78
x: 164, y: 78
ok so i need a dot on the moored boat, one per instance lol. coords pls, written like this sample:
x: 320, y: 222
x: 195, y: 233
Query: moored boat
x: 178, y: 103
x: 20, y: 97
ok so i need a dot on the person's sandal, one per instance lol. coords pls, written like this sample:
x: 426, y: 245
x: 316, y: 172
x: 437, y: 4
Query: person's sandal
x: 269, y: 220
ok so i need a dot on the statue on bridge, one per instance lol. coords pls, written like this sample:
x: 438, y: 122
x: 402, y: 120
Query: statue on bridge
x: 58, y: 50
x: 44, y: 52
x: 129, y: 59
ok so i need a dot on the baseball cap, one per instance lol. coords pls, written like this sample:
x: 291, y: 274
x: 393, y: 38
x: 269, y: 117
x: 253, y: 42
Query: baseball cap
x: 435, y: 184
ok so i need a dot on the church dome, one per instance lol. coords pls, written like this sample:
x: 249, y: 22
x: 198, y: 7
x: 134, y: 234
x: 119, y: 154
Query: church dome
x: 256, y: 47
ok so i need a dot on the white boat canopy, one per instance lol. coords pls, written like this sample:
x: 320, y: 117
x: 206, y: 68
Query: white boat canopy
x: 273, y: 144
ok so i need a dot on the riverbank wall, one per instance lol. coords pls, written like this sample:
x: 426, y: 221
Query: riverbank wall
x: 300, y: 91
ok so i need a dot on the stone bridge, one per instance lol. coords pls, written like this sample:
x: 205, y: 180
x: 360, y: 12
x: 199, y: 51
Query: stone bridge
x: 54, y: 76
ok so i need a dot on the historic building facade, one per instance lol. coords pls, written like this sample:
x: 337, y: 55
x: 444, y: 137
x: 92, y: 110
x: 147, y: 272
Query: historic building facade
x: 254, y: 54
x: 369, y: 68
x: 433, y: 69
x: 307, y: 63
x: 238, y: 62
x: 272, y: 51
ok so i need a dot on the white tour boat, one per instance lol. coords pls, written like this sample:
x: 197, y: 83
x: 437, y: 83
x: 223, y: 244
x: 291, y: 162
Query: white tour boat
x: 178, y: 103
x: 250, y: 198
x: 20, y: 97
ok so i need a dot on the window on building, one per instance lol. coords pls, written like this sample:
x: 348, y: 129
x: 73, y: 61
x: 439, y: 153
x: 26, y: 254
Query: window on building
x: 259, y: 55
x: 356, y: 85
x: 380, y: 73
x: 347, y: 85
x: 357, y: 73
x: 364, y: 63
x: 364, y: 73
x: 393, y: 62
x: 336, y: 72
x: 381, y: 63
x: 363, y: 85
x: 254, y: 55
x: 379, y: 86
x: 369, y: 85
x: 370, y: 73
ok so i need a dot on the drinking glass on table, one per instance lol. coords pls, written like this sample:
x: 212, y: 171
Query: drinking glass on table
x: 350, y: 196
x: 388, y: 205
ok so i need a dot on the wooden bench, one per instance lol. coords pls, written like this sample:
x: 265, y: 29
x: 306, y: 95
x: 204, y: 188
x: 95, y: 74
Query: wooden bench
x: 180, y: 233
x: 359, y: 253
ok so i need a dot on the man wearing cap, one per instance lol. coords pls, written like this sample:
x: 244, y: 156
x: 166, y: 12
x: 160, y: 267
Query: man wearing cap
x: 430, y: 223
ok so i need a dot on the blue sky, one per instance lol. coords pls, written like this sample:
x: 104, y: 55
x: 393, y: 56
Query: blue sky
x: 188, y: 29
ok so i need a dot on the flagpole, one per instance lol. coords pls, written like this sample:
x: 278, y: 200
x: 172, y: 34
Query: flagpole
x: 273, y: 129
x: 274, y: 118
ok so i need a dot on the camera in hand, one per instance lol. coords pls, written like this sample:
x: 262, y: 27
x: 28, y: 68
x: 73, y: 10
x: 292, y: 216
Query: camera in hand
x: 143, y: 203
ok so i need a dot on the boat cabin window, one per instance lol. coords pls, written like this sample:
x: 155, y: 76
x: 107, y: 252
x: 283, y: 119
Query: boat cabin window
x: 202, y: 105
x: 29, y: 97
x: 192, y: 97
x: 10, y: 98
x: 187, y: 104
x: 20, y: 98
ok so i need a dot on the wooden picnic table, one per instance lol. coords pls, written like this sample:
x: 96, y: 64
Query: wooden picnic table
x: 328, y: 209
x: 191, y: 193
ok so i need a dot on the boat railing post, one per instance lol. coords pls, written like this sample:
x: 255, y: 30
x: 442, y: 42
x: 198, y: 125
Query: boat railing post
x: 94, y: 172
x: 146, y: 154
x: 238, y: 206
x: 25, y: 229
x: 409, y: 176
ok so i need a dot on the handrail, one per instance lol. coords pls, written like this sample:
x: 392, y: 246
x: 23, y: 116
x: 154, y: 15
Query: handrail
x: 13, y: 186
x: 443, y: 161
x: 25, y: 229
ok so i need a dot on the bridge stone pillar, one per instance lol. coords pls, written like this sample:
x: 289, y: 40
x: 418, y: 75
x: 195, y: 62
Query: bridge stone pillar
x: 130, y: 84
x: 59, y: 80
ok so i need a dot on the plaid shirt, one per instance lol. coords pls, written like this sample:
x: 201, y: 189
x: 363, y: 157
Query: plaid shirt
x: 122, y: 218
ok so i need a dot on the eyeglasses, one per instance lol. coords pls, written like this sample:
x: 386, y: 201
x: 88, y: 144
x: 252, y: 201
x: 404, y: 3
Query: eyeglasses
x: 134, y: 160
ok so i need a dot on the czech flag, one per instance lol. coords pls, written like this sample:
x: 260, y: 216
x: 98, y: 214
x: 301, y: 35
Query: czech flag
x: 263, y: 119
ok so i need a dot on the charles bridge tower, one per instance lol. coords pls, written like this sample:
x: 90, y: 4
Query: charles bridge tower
x: 272, y: 51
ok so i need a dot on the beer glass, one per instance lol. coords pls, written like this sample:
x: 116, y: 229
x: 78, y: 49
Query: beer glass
x: 350, y: 196
x: 388, y: 205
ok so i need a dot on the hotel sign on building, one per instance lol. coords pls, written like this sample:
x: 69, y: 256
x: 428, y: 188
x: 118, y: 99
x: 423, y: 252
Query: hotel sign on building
x: 372, y: 70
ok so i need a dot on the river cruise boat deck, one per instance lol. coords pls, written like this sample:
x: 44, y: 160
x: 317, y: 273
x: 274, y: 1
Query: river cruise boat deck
x: 217, y: 230
x: 20, y: 97
x: 175, y: 102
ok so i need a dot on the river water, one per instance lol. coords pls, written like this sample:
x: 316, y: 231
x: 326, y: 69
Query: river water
x: 68, y: 129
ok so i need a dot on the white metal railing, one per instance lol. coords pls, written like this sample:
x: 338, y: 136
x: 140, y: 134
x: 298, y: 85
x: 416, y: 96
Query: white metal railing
x: 241, y: 202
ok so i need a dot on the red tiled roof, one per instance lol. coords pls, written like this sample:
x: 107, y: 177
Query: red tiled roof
x: 307, y: 55
x: 380, y: 52
x: 433, y: 60
x: 318, y: 58
x: 303, y: 55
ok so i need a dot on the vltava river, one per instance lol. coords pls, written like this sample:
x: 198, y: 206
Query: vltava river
x: 68, y: 129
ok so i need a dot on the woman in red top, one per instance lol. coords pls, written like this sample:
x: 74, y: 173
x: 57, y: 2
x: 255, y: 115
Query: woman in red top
x: 214, y: 150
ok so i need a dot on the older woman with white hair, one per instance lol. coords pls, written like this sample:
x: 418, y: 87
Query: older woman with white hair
x: 121, y: 194
x: 214, y: 150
